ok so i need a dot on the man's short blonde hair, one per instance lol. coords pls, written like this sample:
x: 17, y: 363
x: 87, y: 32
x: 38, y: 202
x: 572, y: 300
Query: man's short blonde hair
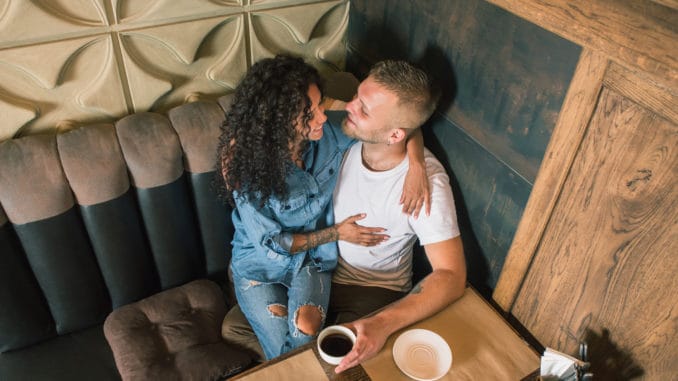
x: 413, y: 87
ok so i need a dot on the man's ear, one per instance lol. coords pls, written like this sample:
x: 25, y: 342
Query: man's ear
x: 396, y: 135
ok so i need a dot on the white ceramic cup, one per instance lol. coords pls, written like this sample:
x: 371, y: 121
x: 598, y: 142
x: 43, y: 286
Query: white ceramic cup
x: 334, y: 358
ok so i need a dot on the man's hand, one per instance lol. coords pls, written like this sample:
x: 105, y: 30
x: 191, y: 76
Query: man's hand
x: 416, y: 191
x: 445, y: 284
x: 370, y: 338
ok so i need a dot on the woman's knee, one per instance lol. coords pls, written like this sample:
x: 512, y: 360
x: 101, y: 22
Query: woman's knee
x: 278, y: 310
x: 309, y: 319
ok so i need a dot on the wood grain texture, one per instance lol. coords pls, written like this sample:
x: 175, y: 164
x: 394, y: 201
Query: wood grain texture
x: 653, y: 96
x: 640, y: 34
x: 570, y: 128
x: 607, y: 261
x: 673, y: 4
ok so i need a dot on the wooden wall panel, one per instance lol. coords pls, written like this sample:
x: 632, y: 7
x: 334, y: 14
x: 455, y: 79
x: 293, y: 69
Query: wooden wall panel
x: 639, y: 34
x: 606, y: 264
x: 509, y: 77
x: 486, y: 192
x: 571, y: 127
x: 594, y: 258
x: 504, y: 81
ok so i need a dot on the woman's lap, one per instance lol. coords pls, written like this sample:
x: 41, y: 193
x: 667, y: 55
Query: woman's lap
x: 271, y: 308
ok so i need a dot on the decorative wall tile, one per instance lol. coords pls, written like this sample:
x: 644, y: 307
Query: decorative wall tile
x: 70, y: 62
x: 24, y: 21
x: 317, y: 33
x: 279, y: 3
x: 52, y: 85
x: 171, y: 64
x: 16, y: 113
x: 135, y: 11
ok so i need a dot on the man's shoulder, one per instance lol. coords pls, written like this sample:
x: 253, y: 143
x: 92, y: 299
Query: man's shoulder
x: 434, y: 167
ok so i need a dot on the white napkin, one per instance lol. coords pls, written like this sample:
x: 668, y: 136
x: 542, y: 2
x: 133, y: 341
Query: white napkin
x: 558, y: 366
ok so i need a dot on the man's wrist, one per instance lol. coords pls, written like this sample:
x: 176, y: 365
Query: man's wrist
x: 380, y: 319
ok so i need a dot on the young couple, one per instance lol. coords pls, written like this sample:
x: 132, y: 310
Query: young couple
x: 318, y: 206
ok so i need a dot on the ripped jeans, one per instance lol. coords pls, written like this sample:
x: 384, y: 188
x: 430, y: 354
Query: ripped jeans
x: 273, y: 308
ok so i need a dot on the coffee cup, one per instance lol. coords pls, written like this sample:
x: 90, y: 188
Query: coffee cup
x: 334, y: 342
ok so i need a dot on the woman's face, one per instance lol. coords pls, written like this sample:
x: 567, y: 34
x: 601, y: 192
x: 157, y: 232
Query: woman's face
x: 313, y: 130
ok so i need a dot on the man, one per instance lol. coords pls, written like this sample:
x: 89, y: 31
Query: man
x: 391, y: 103
x: 394, y: 101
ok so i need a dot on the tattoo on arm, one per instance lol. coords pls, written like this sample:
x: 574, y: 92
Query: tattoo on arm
x: 314, y: 239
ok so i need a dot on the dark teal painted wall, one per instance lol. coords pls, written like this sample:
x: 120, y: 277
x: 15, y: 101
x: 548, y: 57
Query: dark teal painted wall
x: 504, y: 81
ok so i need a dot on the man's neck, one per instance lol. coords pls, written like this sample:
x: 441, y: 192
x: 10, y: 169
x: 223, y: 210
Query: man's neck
x: 382, y: 157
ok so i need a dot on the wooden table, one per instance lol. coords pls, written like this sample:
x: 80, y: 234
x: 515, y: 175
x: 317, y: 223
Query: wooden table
x: 484, y: 347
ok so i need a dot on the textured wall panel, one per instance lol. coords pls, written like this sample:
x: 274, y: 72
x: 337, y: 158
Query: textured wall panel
x: 65, y: 63
x: 130, y: 11
x: 318, y: 33
x: 24, y: 21
x: 49, y: 85
x: 183, y: 62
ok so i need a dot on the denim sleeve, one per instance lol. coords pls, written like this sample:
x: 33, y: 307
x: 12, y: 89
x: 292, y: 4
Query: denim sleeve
x: 334, y: 120
x: 262, y: 229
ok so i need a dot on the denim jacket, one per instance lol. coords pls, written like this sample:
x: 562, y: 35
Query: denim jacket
x: 263, y: 235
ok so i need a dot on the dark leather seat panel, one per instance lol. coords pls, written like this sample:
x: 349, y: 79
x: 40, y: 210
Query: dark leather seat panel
x: 80, y: 356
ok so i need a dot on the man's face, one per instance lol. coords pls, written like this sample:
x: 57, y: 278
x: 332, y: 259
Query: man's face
x: 370, y: 113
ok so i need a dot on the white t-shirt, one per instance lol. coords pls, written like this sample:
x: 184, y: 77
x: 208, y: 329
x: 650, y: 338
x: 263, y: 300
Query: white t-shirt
x: 360, y: 190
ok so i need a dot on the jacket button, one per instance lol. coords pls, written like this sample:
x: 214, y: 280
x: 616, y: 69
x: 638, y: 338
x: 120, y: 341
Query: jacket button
x: 287, y: 207
x: 311, y: 196
x: 331, y: 171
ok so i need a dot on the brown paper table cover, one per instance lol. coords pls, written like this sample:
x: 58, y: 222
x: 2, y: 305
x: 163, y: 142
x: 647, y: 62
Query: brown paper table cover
x: 484, y: 346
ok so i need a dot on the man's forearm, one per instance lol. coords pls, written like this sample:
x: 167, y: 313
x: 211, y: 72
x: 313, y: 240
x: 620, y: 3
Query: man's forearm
x: 306, y: 241
x: 444, y: 285
x: 432, y: 294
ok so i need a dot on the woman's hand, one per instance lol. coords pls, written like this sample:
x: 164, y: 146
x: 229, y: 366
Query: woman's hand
x: 416, y: 191
x: 350, y: 231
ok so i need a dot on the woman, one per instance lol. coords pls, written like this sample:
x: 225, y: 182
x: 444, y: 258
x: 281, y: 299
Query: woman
x: 279, y: 157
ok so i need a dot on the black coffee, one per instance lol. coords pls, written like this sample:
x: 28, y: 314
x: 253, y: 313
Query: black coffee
x: 336, y: 345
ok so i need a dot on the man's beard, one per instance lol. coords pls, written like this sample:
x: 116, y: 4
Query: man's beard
x: 353, y: 134
x: 346, y: 130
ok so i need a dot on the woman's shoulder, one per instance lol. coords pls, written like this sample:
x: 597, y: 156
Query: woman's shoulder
x: 332, y: 132
x: 335, y: 118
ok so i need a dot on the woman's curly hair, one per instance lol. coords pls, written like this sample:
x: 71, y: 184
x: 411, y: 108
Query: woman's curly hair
x: 253, y: 155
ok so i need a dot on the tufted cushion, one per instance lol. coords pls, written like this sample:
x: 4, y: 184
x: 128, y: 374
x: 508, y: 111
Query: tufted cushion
x: 198, y: 126
x: 175, y: 334
x: 29, y: 164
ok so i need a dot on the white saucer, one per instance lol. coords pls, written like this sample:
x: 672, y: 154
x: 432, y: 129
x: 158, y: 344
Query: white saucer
x: 422, y: 355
